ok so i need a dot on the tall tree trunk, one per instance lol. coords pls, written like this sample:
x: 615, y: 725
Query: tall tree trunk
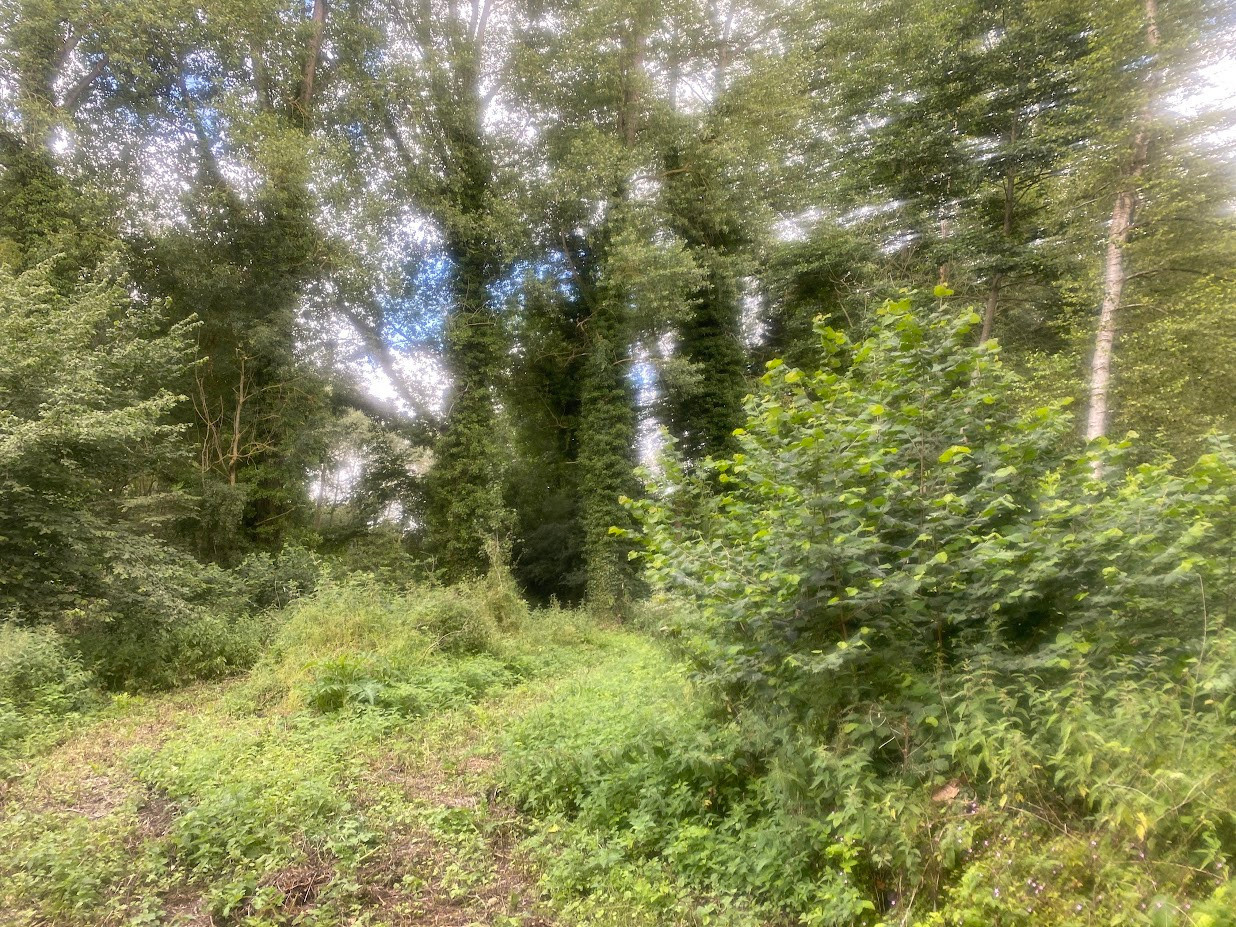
x: 468, y: 518
x: 312, y: 57
x: 608, y: 420
x: 607, y: 435
x: 703, y: 414
x: 1115, y: 274
x: 1006, y: 229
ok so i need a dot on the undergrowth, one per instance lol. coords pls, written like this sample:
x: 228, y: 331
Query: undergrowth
x: 655, y: 805
x: 281, y: 799
x: 948, y: 668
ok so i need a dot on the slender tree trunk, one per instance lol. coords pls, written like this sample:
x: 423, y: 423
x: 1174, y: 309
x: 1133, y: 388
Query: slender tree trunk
x: 725, y: 28
x: 314, y: 53
x: 261, y: 83
x: 997, y: 278
x: 989, y: 313
x: 634, y: 43
x: 945, y: 268
x: 1115, y: 274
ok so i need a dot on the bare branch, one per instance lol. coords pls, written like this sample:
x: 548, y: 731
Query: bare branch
x: 74, y: 94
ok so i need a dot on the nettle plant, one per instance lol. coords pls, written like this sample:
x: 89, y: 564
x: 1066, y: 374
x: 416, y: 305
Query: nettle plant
x: 920, y: 584
x: 897, y: 510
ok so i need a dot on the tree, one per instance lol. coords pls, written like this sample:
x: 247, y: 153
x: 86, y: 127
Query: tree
x: 430, y: 98
x: 87, y: 436
x: 590, y: 79
x: 1123, y: 212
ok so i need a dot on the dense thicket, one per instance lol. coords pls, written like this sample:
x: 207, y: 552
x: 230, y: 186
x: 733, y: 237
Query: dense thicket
x: 876, y: 292
x: 943, y: 674
x: 434, y: 274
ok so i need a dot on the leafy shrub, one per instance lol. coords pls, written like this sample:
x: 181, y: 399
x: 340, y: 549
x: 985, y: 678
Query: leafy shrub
x: 359, y: 642
x: 499, y: 592
x: 364, y: 680
x: 86, y: 421
x: 381, y: 551
x: 268, y: 581
x: 894, y: 509
x: 947, y: 671
x: 199, y: 645
x: 650, y: 795
x: 455, y: 621
x: 40, y: 680
x: 162, y: 619
x: 37, y: 672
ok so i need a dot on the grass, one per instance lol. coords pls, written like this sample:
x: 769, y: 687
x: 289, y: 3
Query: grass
x: 256, y: 803
x: 373, y: 771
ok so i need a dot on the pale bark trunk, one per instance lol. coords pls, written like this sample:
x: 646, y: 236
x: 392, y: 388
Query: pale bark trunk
x: 725, y: 29
x: 261, y: 83
x: 1114, y: 272
x: 386, y: 360
x: 206, y: 153
x: 989, y: 315
x: 1010, y: 201
x: 945, y: 268
x: 634, y: 43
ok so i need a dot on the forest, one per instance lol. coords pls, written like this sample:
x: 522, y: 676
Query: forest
x: 728, y: 463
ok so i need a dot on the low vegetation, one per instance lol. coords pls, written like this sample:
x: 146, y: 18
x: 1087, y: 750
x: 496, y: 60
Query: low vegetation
x: 946, y: 670
x: 342, y: 781
x: 909, y: 659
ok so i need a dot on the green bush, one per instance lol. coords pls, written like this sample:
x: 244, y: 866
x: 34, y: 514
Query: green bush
x: 364, y: 680
x: 457, y: 620
x: 947, y: 674
x: 38, y: 673
x: 381, y: 551
x: 267, y: 581
x: 40, y: 681
x: 199, y: 645
x: 895, y: 510
x: 359, y: 642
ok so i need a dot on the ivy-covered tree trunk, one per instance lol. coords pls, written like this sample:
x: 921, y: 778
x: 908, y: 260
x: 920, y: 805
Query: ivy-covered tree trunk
x: 607, y: 437
x: 467, y: 517
x: 703, y: 413
x: 608, y: 421
x: 468, y: 520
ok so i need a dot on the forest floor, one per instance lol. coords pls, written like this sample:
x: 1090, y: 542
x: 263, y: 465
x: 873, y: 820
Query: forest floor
x: 197, y: 808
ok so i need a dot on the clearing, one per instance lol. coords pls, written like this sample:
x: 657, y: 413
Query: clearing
x: 201, y: 807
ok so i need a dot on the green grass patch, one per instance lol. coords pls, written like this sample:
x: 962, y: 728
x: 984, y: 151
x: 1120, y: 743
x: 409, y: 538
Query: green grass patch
x: 257, y: 803
x: 653, y: 805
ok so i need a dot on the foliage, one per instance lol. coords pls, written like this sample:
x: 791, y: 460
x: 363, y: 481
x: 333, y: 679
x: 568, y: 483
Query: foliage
x: 196, y: 644
x: 207, y: 803
x: 952, y: 803
x: 359, y: 642
x: 41, y: 681
x: 935, y: 675
x: 391, y: 293
x: 268, y: 581
x: 84, y: 433
x: 894, y: 509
